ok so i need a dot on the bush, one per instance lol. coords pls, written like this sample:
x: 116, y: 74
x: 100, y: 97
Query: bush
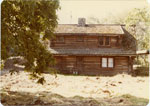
x: 142, y: 71
x: 135, y: 100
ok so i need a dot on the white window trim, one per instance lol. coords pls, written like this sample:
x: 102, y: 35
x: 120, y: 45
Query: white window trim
x: 107, y: 62
x: 110, y: 63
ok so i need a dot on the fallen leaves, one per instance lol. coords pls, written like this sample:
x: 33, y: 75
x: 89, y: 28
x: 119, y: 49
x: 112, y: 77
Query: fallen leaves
x: 85, y: 86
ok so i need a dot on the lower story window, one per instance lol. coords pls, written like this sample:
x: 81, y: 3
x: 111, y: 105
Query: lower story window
x: 104, y: 62
x: 108, y: 62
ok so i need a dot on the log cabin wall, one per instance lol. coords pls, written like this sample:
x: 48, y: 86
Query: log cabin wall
x: 79, y: 48
x: 74, y: 42
x: 122, y: 64
x: 91, y: 65
x: 65, y: 64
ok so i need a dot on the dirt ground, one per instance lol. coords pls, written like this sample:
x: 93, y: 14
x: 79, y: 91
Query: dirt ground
x: 69, y: 90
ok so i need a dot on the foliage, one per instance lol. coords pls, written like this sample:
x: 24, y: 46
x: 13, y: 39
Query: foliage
x: 1, y: 65
x: 141, y: 19
x: 138, y: 15
x: 23, y: 23
x: 136, y: 101
x: 48, y: 98
x: 142, y: 71
x: 138, y: 24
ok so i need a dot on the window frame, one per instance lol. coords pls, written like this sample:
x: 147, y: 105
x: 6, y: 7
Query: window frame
x: 104, y: 62
x: 108, y: 62
x: 104, y: 40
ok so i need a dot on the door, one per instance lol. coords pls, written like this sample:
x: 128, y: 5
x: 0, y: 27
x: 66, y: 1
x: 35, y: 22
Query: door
x: 79, y: 65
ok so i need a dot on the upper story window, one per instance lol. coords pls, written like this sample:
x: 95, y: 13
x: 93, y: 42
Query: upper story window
x: 60, y: 39
x: 104, y: 41
x: 107, y: 62
x: 80, y: 38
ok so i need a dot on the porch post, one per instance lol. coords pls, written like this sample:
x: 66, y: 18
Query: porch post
x: 130, y: 64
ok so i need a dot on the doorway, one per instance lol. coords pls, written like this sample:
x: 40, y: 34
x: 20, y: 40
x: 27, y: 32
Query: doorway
x: 79, y: 64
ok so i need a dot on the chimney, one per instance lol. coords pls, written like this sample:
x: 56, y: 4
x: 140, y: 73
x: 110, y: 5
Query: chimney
x: 81, y: 22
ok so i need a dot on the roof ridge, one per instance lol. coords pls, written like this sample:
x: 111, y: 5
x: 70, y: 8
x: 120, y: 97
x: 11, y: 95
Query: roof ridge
x: 90, y: 28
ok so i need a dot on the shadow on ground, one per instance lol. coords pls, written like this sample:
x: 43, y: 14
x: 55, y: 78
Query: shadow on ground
x: 47, y: 98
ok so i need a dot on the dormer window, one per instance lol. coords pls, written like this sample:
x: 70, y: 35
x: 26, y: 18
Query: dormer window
x: 104, y: 41
x: 80, y: 38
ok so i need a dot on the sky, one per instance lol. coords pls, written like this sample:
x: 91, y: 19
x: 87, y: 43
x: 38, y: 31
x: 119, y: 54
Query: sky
x: 71, y: 10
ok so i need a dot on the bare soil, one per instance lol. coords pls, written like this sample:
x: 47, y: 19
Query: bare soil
x: 69, y: 90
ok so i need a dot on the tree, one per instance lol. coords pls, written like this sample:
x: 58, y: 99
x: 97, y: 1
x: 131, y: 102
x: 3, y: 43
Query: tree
x: 137, y: 22
x: 141, y: 19
x: 23, y: 23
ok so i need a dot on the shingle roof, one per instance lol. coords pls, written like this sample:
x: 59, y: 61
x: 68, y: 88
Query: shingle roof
x: 101, y: 51
x: 128, y: 44
x: 89, y: 29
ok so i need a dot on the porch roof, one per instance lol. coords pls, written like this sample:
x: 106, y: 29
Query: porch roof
x: 93, y: 52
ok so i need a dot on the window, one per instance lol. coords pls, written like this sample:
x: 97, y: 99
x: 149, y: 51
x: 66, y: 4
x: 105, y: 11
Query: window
x: 107, y: 62
x: 104, y: 62
x: 80, y: 38
x: 110, y: 62
x: 60, y: 39
x: 104, y: 41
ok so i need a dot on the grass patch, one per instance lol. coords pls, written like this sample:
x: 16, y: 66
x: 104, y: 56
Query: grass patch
x: 78, y: 97
x: 136, y: 101
x: 142, y: 71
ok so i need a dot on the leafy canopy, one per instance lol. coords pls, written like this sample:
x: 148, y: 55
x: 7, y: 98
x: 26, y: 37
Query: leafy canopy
x: 23, y: 22
x: 138, y: 17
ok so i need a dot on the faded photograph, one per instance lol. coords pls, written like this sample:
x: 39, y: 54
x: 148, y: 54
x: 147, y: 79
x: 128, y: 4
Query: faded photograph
x: 75, y: 52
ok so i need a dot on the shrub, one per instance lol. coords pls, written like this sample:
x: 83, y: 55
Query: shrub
x: 142, y: 71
